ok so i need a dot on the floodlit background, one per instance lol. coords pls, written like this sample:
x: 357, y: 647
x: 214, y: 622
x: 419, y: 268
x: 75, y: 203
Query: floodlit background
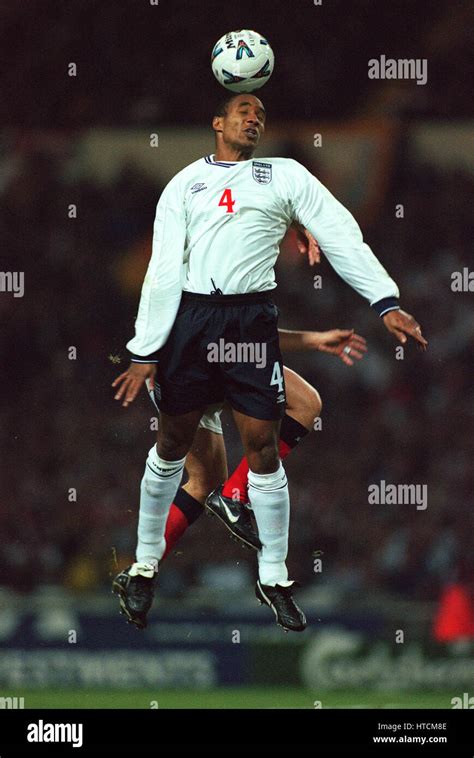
x: 390, y: 605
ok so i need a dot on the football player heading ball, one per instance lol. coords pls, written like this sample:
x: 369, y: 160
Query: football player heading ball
x: 216, y: 238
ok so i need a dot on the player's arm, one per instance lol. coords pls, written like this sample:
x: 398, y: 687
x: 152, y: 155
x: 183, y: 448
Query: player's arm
x: 160, y: 296
x: 341, y: 342
x: 340, y: 238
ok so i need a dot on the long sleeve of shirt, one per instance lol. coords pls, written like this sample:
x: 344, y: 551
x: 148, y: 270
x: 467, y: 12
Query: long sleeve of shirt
x: 162, y: 286
x: 340, y: 238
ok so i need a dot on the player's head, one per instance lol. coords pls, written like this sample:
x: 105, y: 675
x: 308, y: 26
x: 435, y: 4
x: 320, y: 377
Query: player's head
x: 239, y: 122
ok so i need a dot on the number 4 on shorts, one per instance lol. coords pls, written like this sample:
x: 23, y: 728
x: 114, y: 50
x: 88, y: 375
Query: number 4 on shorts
x: 226, y: 201
x: 277, y: 376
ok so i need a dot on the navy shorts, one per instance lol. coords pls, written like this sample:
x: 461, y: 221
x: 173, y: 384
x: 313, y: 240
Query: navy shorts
x: 223, y: 347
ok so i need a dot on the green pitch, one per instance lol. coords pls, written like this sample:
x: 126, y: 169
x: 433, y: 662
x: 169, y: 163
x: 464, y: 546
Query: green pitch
x: 272, y: 697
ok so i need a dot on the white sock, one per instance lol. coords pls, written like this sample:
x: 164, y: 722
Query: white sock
x: 147, y: 570
x: 158, y: 488
x: 270, y: 500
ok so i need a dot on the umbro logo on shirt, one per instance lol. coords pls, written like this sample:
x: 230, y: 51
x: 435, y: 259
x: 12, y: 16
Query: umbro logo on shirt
x: 198, y: 187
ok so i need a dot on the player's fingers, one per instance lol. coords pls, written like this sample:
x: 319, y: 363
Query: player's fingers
x: 301, y: 246
x: 345, y: 359
x: 124, y: 388
x: 132, y: 392
x: 417, y: 335
x: 412, y: 329
x: 362, y: 346
x: 119, y: 379
x: 314, y: 254
x: 407, y: 324
x: 121, y: 390
x: 399, y: 334
x: 131, y: 395
x: 360, y: 339
x: 129, y: 399
x: 355, y: 353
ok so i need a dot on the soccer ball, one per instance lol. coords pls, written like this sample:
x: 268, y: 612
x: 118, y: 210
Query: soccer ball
x: 242, y: 61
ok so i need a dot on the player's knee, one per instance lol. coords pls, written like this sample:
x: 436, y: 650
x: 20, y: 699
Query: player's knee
x: 310, y: 408
x: 172, y: 447
x: 263, y: 458
x: 316, y: 403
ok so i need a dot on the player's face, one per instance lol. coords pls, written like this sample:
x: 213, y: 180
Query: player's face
x: 244, y: 123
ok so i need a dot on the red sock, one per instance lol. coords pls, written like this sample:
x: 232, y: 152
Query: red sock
x: 176, y: 526
x: 183, y: 512
x: 291, y: 433
x: 237, y: 484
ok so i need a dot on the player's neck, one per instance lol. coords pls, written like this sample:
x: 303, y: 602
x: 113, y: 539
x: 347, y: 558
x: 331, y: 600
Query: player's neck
x: 229, y: 154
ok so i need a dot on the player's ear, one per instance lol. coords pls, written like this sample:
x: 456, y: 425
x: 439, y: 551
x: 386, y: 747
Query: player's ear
x: 217, y: 123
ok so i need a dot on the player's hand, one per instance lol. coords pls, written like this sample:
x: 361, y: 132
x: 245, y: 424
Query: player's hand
x: 130, y: 382
x: 344, y: 343
x: 307, y: 244
x: 402, y: 324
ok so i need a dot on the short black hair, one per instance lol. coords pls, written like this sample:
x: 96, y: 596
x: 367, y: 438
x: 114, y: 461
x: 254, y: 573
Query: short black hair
x: 223, y: 107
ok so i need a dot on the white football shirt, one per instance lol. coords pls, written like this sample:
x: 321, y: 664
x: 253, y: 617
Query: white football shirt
x: 218, y: 225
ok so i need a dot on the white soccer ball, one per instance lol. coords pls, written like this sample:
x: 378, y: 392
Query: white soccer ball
x: 242, y: 61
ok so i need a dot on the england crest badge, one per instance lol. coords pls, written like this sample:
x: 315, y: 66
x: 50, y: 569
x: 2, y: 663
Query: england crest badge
x: 262, y: 172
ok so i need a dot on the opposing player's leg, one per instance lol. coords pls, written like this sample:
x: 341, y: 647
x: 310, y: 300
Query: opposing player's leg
x: 208, y: 453
x: 163, y: 473
x: 236, y: 519
x: 303, y: 407
x: 206, y: 466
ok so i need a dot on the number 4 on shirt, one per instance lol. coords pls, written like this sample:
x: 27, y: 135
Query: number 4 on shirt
x: 226, y: 201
